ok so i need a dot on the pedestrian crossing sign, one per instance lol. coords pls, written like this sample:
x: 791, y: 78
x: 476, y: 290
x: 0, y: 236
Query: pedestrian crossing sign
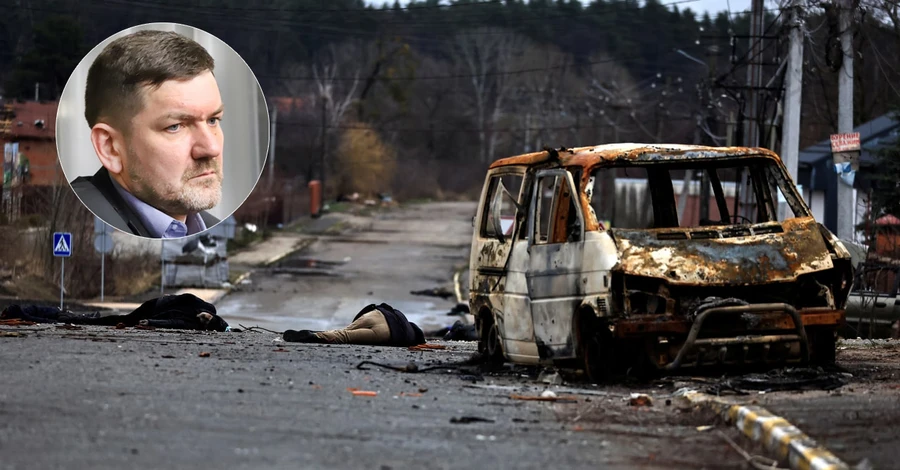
x: 62, y: 244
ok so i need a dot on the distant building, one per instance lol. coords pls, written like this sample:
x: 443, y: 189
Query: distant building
x: 819, y: 181
x: 30, y: 163
x: 32, y: 126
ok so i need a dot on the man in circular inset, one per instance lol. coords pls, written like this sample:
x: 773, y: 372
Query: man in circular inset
x: 154, y: 109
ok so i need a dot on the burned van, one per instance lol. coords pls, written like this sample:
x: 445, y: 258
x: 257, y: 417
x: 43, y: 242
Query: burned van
x: 671, y: 256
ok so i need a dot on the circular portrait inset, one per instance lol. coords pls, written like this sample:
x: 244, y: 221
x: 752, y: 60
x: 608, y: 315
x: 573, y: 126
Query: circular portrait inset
x: 162, y: 130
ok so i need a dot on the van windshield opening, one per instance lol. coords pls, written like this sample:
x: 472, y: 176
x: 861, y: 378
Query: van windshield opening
x: 647, y: 195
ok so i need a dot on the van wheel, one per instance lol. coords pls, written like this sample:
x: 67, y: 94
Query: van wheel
x: 489, y: 344
x: 594, y: 348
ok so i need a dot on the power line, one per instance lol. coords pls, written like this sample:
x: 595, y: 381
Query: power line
x: 459, y: 76
x: 370, y: 10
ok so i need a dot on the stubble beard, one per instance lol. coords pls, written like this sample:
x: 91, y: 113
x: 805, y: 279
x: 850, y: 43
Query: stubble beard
x: 190, y: 196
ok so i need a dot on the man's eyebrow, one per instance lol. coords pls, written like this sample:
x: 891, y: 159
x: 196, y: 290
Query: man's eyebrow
x: 190, y: 117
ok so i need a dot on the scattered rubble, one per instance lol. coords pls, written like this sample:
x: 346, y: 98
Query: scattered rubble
x: 640, y: 399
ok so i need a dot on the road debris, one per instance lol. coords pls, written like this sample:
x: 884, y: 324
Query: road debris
x: 757, y: 461
x: 68, y: 326
x: 550, y: 377
x: 426, y: 346
x: 12, y: 334
x: 792, y: 378
x: 543, y: 398
x: 470, y: 419
x: 441, y: 292
x: 16, y: 322
x: 204, y: 354
x: 640, y: 399
x: 361, y: 393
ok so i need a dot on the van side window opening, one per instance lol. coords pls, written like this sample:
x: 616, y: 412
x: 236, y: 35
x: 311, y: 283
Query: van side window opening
x: 501, y: 212
x: 556, y: 216
x: 691, y: 194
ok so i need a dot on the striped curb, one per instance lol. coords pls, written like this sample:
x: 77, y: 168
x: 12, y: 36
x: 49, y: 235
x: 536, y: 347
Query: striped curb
x: 778, y: 435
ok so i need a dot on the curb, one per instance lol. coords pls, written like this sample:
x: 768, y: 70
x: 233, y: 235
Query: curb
x: 301, y: 244
x: 776, y: 434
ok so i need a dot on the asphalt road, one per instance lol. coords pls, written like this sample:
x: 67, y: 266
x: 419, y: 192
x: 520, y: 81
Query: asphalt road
x: 97, y: 397
x: 104, y: 398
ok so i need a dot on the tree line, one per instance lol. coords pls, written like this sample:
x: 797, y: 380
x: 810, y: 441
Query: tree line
x: 418, y: 99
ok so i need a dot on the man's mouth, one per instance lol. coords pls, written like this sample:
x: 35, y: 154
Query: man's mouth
x: 205, y: 174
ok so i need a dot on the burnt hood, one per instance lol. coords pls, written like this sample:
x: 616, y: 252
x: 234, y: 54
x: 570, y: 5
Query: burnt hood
x: 679, y: 256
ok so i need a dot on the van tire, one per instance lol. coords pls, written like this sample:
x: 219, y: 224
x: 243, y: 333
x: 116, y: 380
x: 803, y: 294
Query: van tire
x: 595, y: 348
x: 489, y: 344
x: 822, y: 345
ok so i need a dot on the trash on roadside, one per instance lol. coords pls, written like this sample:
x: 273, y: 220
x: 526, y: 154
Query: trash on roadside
x: 705, y: 428
x: 791, y: 378
x: 541, y: 398
x: 16, y: 322
x: 11, y: 334
x: 548, y: 394
x: 362, y: 393
x: 460, y: 331
x: 470, y: 419
x: 550, y: 377
x: 410, y: 394
x: 441, y: 292
x: 640, y: 399
x: 204, y: 354
x: 426, y: 346
x: 68, y: 326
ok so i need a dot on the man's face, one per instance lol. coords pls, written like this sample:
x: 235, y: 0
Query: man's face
x: 173, y: 157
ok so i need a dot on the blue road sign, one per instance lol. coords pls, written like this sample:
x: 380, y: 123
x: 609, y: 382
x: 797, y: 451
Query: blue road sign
x: 62, y: 244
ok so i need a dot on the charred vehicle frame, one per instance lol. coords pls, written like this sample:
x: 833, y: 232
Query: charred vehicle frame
x: 571, y: 267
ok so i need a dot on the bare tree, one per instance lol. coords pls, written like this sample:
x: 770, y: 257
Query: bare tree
x: 484, y: 56
x: 544, y: 94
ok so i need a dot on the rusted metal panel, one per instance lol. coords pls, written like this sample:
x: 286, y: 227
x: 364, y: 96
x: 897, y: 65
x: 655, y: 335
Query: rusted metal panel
x: 754, y: 259
x: 643, y: 325
x: 589, y: 157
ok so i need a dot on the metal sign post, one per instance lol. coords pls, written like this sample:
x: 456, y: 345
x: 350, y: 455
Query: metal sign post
x: 103, y: 243
x: 162, y: 263
x: 62, y: 247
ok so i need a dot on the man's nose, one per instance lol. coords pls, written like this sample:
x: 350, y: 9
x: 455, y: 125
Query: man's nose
x: 207, y: 142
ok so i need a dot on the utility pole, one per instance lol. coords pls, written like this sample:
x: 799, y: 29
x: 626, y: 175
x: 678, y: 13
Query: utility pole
x: 322, y: 156
x: 743, y: 202
x: 754, y: 73
x: 790, y: 138
x: 845, y: 117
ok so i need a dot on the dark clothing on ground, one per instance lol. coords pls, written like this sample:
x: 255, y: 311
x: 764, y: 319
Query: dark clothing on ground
x: 183, y: 311
x: 100, y: 196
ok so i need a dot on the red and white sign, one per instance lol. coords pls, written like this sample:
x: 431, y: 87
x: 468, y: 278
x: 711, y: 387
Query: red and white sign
x: 848, y: 142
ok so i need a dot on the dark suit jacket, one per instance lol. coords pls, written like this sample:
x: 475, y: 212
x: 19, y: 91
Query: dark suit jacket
x: 100, y: 196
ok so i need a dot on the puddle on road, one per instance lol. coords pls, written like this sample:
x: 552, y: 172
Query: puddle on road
x: 310, y: 263
x: 308, y: 267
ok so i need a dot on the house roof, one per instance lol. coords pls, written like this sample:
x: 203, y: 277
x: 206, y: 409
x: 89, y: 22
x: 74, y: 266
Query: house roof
x: 287, y: 104
x: 872, y: 135
x: 28, y: 120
